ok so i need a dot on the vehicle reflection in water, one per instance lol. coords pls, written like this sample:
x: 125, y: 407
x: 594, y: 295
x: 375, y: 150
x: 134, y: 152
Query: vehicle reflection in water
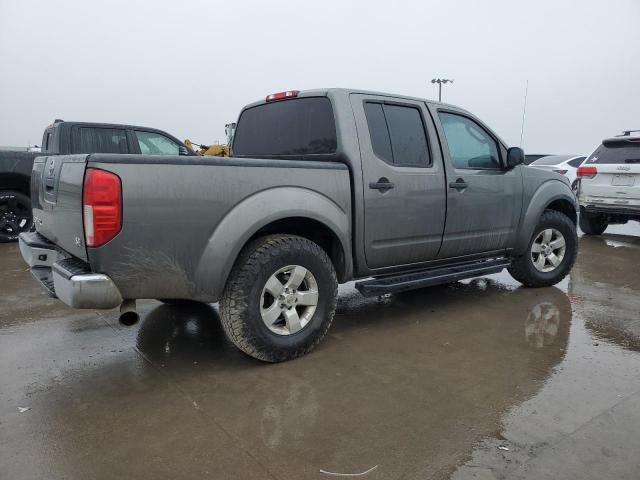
x: 606, y: 289
x: 395, y: 369
x: 190, y: 331
x: 183, y: 333
x: 580, y: 415
x: 542, y: 325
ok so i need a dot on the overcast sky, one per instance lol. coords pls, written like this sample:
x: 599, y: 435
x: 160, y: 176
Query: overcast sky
x: 188, y: 67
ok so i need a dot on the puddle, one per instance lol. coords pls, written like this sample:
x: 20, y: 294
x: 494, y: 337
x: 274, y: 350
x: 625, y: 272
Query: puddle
x: 479, y: 379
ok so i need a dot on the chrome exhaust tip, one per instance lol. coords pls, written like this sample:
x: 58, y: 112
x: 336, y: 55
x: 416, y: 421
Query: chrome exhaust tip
x: 128, y: 314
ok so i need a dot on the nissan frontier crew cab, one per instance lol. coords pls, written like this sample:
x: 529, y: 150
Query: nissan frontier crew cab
x: 323, y: 187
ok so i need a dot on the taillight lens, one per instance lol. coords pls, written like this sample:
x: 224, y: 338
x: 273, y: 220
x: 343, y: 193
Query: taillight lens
x: 587, y: 172
x: 101, y: 206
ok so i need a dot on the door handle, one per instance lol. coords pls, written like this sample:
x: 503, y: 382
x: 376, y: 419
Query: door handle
x: 459, y: 184
x: 382, y: 184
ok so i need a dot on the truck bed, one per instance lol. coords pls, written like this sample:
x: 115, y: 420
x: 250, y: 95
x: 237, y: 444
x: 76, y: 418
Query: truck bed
x: 181, y: 213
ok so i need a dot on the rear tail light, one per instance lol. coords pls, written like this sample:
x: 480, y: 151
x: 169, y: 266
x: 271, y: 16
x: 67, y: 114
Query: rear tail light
x: 282, y: 95
x: 101, y: 206
x: 587, y: 172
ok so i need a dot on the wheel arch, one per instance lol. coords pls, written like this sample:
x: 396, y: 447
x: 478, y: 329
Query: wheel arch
x: 551, y: 195
x: 305, y: 213
x: 314, y: 230
x: 565, y: 206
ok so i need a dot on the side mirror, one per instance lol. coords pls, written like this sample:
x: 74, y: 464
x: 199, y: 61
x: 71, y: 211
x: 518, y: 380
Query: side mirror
x: 182, y: 150
x: 515, y: 157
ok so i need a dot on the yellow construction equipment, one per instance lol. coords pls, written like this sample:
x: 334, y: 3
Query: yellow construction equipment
x: 208, y: 150
x: 216, y: 150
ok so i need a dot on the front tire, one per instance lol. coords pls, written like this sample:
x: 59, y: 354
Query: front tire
x: 592, y: 224
x: 15, y: 215
x: 551, y: 252
x: 280, y: 298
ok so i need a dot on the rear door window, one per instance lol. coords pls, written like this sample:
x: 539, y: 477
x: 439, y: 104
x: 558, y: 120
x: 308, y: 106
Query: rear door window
x: 101, y: 140
x: 153, y: 143
x: 304, y: 126
x: 378, y: 131
x: 397, y: 134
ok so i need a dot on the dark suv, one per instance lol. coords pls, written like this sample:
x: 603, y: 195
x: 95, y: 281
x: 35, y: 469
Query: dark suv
x: 63, y: 138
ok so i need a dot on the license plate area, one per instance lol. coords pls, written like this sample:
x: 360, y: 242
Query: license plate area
x: 623, y: 180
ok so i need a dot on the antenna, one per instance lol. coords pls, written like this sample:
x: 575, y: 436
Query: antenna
x: 524, y: 111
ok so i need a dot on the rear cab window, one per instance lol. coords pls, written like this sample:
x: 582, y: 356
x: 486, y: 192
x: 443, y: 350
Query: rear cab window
x: 47, y: 141
x: 49, y: 144
x: 100, y: 140
x: 295, y: 128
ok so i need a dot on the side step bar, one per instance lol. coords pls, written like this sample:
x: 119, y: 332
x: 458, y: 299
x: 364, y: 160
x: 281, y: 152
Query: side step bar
x: 431, y: 277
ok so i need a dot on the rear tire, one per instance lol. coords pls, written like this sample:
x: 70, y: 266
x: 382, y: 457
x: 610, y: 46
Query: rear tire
x: 561, y: 246
x: 15, y: 215
x: 280, y: 298
x: 592, y: 224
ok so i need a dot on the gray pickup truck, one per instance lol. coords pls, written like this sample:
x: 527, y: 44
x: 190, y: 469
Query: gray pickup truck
x: 323, y: 187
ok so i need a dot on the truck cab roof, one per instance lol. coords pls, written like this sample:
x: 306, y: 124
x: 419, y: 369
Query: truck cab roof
x: 340, y: 91
x: 277, y: 131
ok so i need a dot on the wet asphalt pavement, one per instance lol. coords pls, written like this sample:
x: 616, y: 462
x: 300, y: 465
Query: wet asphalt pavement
x: 480, y: 379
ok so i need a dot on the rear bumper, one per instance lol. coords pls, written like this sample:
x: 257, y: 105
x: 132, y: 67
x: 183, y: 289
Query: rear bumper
x: 66, y: 277
x: 601, y: 209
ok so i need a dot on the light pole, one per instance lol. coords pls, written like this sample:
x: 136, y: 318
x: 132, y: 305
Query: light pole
x: 440, y: 81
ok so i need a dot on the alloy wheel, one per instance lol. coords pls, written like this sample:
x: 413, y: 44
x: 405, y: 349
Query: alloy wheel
x: 548, y: 250
x: 289, y: 299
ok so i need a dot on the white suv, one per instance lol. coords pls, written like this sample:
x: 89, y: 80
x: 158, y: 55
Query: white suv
x: 609, y: 189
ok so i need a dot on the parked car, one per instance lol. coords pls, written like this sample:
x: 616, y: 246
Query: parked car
x: 529, y: 158
x: 566, y: 165
x: 324, y: 187
x: 609, y: 190
x: 62, y: 138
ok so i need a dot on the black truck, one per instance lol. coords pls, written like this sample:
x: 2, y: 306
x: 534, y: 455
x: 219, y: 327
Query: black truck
x: 65, y: 138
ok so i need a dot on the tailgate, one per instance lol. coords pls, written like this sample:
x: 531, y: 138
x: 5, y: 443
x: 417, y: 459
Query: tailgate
x: 616, y: 184
x: 56, y: 192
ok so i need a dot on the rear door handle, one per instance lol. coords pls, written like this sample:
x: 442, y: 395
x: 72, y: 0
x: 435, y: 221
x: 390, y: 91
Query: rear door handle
x: 459, y: 184
x: 382, y: 184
